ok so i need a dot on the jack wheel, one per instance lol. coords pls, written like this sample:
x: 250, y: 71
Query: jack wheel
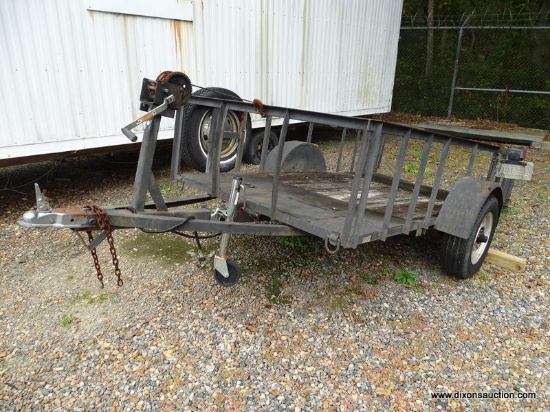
x: 235, y: 272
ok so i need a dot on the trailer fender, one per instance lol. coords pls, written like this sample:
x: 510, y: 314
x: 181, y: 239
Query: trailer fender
x: 462, y: 205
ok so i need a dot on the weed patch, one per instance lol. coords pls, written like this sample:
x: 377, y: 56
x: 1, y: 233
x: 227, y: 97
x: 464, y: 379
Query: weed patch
x: 405, y: 278
x: 66, y: 320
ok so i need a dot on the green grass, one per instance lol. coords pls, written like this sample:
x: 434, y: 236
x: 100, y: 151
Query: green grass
x: 87, y: 297
x: 66, y: 320
x: 543, y: 196
x: 485, y: 277
x: 507, y: 211
x: 369, y: 280
x: 411, y: 168
x: 405, y: 278
x: 293, y: 242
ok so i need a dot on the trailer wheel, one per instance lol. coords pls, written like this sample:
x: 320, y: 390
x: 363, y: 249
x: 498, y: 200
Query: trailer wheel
x: 196, y: 131
x: 235, y: 272
x: 462, y: 258
x: 253, y: 150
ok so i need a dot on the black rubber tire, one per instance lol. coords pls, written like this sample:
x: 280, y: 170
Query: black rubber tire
x: 253, y: 150
x: 462, y: 258
x: 194, y: 150
x: 235, y: 273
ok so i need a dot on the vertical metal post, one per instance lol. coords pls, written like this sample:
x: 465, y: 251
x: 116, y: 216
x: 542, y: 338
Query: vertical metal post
x: 354, y: 155
x: 216, y: 137
x: 368, y: 169
x: 473, y: 154
x: 507, y: 186
x: 243, y: 140
x: 176, y: 144
x: 355, y: 186
x: 395, y: 183
x: 277, y: 171
x: 341, y: 149
x: 418, y: 183
x: 455, y: 73
x: 265, y: 142
x: 437, y: 183
x: 491, y: 173
x: 310, y: 132
x: 145, y: 164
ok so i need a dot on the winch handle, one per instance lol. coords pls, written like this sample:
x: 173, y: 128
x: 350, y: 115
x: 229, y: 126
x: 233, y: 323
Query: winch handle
x: 126, y: 130
x: 128, y: 133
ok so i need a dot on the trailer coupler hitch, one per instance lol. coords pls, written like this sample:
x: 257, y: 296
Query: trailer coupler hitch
x: 45, y: 216
x: 87, y: 219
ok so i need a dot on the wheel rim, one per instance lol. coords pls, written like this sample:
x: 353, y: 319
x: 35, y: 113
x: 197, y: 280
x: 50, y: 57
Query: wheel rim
x: 229, y: 146
x: 483, y: 232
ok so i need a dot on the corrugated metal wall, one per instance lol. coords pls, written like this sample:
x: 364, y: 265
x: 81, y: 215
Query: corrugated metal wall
x: 71, y: 76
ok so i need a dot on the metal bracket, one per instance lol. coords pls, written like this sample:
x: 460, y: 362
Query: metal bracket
x: 42, y: 204
x: 96, y: 242
x: 127, y: 130
x: 220, y: 264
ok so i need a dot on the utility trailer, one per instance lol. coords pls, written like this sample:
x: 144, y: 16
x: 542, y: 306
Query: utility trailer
x: 384, y: 180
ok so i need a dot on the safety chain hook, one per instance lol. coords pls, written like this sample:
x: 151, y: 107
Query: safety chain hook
x: 102, y: 221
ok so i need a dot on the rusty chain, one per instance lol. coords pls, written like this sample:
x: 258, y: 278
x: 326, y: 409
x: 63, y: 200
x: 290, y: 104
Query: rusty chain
x: 102, y: 221
x: 96, y: 260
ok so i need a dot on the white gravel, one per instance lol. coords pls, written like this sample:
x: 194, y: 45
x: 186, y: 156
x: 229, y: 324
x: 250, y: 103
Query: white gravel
x: 302, y: 331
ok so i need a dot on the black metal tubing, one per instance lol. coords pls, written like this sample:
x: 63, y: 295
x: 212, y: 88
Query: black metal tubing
x: 374, y: 143
x: 437, y: 184
x: 395, y: 184
x: 156, y: 222
x: 473, y: 154
x: 145, y: 164
x: 367, y: 155
x: 356, y: 184
x: 265, y: 142
x: 172, y: 203
x: 340, y: 150
x: 176, y: 144
x: 333, y: 120
x: 277, y: 171
x: 310, y: 132
x: 418, y: 183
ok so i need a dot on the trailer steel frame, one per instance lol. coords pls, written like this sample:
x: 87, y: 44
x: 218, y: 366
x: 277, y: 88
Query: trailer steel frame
x: 368, y: 205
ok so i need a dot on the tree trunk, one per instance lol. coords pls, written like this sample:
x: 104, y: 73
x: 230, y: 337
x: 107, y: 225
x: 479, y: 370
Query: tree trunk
x: 430, y: 42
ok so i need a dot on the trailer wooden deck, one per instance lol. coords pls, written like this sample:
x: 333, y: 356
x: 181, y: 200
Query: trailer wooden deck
x: 318, y: 203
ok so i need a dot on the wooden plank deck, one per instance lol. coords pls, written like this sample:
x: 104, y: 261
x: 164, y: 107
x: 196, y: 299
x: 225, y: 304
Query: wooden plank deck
x: 317, y: 203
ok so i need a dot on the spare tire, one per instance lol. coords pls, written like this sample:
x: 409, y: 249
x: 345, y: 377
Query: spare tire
x: 253, y: 149
x: 195, y: 142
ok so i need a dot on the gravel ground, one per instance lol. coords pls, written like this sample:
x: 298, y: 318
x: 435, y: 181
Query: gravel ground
x: 302, y: 330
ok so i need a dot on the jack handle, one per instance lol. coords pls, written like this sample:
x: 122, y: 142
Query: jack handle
x: 127, y: 130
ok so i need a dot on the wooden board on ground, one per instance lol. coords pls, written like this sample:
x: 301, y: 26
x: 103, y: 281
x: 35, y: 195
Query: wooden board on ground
x: 506, y: 260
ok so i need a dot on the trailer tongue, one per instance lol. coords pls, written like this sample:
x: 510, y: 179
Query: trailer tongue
x: 361, y: 197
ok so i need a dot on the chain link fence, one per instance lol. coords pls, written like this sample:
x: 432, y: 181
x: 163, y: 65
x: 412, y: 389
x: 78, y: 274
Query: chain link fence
x: 490, y: 73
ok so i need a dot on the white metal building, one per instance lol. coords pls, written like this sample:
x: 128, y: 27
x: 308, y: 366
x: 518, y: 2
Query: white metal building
x: 71, y: 70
